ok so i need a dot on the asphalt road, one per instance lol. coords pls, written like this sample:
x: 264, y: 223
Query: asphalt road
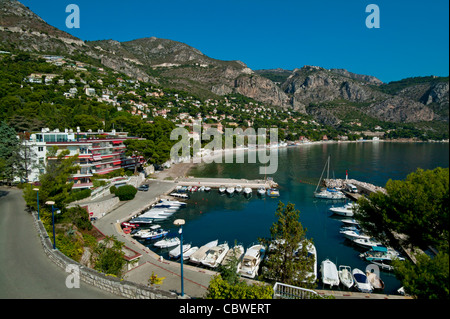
x: 25, y: 270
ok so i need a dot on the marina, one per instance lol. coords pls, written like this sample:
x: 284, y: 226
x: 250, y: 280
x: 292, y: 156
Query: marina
x: 212, y: 215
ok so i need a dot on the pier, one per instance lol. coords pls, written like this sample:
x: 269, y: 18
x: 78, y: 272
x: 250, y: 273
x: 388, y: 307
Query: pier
x: 227, y: 182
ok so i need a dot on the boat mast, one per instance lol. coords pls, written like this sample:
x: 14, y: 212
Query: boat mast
x: 320, y: 179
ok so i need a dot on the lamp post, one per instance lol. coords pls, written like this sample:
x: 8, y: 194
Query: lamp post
x: 37, y: 192
x: 53, y: 222
x: 181, y: 222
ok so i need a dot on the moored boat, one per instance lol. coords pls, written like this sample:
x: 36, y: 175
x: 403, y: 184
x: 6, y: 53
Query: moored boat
x: 361, y: 281
x: 375, y: 280
x: 198, y: 256
x: 248, y: 191
x: 346, y: 210
x: 367, y: 243
x: 176, y: 252
x: 238, y: 189
x: 352, y: 234
x: 222, y: 189
x: 261, y: 191
x: 251, y: 261
x: 230, y: 190
x: 215, y: 255
x: 235, y: 252
x: 167, y: 242
x: 345, y: 276
x: 189, y: 252
x: 329, y: 272
x: 273, y: 192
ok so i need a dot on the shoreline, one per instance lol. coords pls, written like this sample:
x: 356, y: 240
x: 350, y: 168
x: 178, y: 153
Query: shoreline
x: 183, y: 169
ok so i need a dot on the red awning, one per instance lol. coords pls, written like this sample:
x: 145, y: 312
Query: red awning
x: 117, y: 142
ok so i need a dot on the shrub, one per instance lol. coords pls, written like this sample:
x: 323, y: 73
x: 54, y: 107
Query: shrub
x: 220, y: 289
x: 126, y: 192
x: 79, y: 217
x: 113, y: 189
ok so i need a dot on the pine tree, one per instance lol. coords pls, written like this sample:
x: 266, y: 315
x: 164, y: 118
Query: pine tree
x: 288, y: 260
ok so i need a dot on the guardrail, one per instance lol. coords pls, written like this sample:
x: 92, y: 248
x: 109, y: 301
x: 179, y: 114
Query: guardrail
x: 284, y: 291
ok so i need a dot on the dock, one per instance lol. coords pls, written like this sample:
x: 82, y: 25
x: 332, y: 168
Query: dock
x: 227, y: 182
x: 365, y: 189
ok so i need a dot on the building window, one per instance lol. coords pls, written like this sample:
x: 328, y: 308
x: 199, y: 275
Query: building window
x: 40, y: 148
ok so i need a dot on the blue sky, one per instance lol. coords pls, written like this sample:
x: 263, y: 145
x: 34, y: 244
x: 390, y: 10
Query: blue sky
x: 413, y: 38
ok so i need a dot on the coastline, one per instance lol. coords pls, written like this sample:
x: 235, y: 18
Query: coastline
x: 183, y: 169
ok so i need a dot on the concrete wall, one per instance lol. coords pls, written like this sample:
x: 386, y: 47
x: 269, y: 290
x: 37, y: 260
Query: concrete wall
x: 92, y: 277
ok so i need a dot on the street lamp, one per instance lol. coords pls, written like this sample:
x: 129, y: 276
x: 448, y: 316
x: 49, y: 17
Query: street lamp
x: 53, y: 222
x: 37, y: 192
x: 181, y: 222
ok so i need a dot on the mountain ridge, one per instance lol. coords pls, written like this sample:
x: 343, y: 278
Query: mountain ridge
x: 177, y: 65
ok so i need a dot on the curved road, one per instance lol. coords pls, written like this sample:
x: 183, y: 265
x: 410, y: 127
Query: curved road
x: 25, y: 270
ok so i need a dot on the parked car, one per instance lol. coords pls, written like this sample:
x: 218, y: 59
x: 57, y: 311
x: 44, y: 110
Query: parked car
x: 143, y: 188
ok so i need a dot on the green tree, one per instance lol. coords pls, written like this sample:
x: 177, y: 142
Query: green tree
x: 417, y: 207
x: 428, y: 278
x: 110, y: 256
x: 414, y: 213
x: 9, y: 151
x: 288, y: 260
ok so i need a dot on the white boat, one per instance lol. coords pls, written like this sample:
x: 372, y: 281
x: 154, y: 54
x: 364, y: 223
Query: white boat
x: 248, y: 191
x: 235, y: 252
x: 329, y: 272
x: 168, y: 242
x: 230, y: 190
x: 361, y: 281
x: 174, y: 203
x: 176, y: 252
x: 207, y: 189
x: 349, y: 221
x: 261, y: 191
x: 201, y: 189
x: 180, y: 195
x: 189, y: 252
x: 327, y: 193
x: 367, y: 243
x: 375, y: 280
x: 154, y: 232
x: 346, y: 210
x: 352, y: 234
x: 197, y: 256
x: 215, y: 255
x: 238, y: 189
x: 249, y: 265
x: 222, y: 189
x: 345, y: 276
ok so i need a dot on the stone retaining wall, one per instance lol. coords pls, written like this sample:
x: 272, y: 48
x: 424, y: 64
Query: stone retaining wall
x: 92, y: 277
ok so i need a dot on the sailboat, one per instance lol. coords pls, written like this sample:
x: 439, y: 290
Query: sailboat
x: 327, y: 193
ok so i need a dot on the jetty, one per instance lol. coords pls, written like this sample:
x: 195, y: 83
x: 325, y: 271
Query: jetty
x: 363, y: 187
x: 227, y: 182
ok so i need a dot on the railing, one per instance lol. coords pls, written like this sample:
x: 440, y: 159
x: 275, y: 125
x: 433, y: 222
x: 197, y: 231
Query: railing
x: 283, y: 291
